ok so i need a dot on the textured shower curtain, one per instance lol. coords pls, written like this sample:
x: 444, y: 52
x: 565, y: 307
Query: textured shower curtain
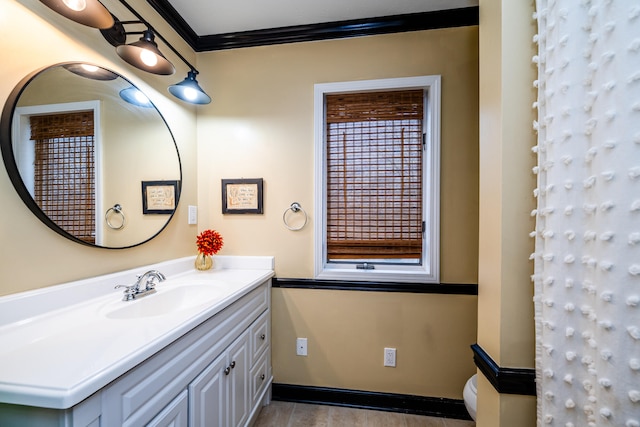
x: 587, y: 256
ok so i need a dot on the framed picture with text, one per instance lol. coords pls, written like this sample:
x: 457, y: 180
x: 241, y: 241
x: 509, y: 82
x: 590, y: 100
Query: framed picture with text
x: 159, y: 197
x: 242, y: 196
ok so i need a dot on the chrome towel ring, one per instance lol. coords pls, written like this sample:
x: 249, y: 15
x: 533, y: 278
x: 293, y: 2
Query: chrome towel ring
x: 115, y: 210
x: 295, y: 208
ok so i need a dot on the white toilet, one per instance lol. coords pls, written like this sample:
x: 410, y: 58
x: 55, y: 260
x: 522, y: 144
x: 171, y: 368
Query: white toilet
x: 470, y: 395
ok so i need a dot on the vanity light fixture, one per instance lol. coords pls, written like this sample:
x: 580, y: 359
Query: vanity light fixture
x: 87, y: 12
x: 145, y: 55
x: 90, y: 71
x: 134, y: 96
x: 189, y: 90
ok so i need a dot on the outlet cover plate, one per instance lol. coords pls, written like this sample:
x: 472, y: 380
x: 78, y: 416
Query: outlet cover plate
x: 390, y: 357
x: 301, y: 346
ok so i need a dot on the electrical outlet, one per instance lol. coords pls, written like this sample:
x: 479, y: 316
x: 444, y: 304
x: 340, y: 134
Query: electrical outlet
x: 301, y: 346
x: 390, y: 357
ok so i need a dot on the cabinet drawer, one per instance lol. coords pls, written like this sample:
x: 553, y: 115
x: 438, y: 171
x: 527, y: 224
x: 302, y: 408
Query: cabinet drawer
x: 259, y: 378
x: 260, y: 338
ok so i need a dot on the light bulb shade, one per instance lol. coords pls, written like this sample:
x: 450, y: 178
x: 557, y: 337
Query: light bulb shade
x: 145, y: 55
x: 190, y: 91
x: 134, y: 96
x: 89, y: 71
x: 87, y: 12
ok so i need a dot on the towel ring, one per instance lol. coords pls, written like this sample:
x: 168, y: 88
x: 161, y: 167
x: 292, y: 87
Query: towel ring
x: 295, y: 208
x: 115, y: 210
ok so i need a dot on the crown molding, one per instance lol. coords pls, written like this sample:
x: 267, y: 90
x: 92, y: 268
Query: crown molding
x: 313, y: 32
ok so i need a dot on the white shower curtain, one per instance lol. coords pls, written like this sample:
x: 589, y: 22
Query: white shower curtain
x: 587, y: 256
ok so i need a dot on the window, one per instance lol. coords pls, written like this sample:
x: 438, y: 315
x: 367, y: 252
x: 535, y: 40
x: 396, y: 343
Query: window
x: 59, y: 148
x: 377, y: 170
x: 64, y: 166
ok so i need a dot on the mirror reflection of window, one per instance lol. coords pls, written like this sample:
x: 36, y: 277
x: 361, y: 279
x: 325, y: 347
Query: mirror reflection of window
x: 64, y: 170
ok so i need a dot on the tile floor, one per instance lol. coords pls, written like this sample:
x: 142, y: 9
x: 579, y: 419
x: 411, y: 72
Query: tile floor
x: 288, y: 414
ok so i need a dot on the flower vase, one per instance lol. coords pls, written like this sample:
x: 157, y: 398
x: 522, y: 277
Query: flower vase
x: 203, y: 262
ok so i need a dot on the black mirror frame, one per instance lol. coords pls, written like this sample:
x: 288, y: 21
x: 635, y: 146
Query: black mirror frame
x: 6, y: 148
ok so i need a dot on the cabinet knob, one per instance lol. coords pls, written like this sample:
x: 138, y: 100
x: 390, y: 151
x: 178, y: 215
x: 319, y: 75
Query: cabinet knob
x: 262, y: 377
x: 263, y: 336
x: 233, y: 364
x: 227, y: 370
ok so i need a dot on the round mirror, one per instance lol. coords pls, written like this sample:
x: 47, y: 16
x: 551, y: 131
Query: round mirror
x: 90, y: 155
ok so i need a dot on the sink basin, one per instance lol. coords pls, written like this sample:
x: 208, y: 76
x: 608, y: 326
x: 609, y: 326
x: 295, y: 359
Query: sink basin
x: 165, y: 301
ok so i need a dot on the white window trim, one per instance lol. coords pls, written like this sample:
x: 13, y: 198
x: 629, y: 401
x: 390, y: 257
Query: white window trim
x: 429, y: 271
x: 24, y: 151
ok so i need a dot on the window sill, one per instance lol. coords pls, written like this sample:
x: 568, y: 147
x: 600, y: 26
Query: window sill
x: 412, y: 275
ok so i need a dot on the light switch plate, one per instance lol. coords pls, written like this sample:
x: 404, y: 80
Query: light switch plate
x: 193, y: 214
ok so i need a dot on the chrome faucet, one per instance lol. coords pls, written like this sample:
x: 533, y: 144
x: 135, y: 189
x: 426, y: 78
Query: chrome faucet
x: 145, y: 285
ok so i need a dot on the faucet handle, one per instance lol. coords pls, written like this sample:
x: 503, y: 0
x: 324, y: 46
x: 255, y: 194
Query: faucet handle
x: 150, y: 284
x: 129, y: 291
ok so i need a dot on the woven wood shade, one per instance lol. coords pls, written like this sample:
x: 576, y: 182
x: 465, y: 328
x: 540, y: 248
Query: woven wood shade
x: 374, y: 175
x: 64, y: 181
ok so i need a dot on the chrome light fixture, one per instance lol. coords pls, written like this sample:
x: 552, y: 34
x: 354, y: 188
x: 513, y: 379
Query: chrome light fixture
x: 189, y: 90
x: 87, y: 12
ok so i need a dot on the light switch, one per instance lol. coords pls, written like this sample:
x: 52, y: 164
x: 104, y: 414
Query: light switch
x: 193, y: 214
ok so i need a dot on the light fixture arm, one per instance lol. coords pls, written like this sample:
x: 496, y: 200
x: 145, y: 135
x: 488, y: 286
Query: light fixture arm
x: 144, y: 22
x: 142, y: 54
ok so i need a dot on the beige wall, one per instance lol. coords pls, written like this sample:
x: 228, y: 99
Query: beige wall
x: 260, y: 125
x: 505, y: 291
x: 32, y: 256
x: 348, y: 330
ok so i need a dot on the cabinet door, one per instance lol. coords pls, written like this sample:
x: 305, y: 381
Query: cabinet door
x: 208, y: 395
x: 239, y: 380
x: 175, y: 414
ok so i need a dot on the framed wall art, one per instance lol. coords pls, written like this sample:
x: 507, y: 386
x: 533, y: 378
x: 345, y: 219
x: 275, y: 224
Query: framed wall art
x: 159, y: 197
x: 242, y: 196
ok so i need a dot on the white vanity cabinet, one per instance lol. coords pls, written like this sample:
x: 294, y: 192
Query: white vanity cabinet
x: 217, y: 374
x: 203, y: 379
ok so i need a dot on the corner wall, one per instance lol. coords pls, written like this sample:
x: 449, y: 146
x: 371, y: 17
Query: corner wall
x: 505, y: 291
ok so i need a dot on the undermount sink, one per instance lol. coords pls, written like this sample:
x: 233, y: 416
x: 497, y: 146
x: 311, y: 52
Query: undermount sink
x: 164, y: 302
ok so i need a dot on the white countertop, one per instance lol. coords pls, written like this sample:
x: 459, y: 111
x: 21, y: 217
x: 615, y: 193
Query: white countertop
x: 59, y: 345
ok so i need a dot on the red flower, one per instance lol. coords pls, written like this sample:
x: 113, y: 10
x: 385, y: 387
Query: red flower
x: 209, y: 242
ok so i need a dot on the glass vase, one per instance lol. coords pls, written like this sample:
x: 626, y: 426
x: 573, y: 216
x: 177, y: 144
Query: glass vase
x: 203, y: 262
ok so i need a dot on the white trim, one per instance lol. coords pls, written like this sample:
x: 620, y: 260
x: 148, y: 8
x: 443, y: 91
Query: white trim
x: 429, y: 272
x: 25, y: 156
